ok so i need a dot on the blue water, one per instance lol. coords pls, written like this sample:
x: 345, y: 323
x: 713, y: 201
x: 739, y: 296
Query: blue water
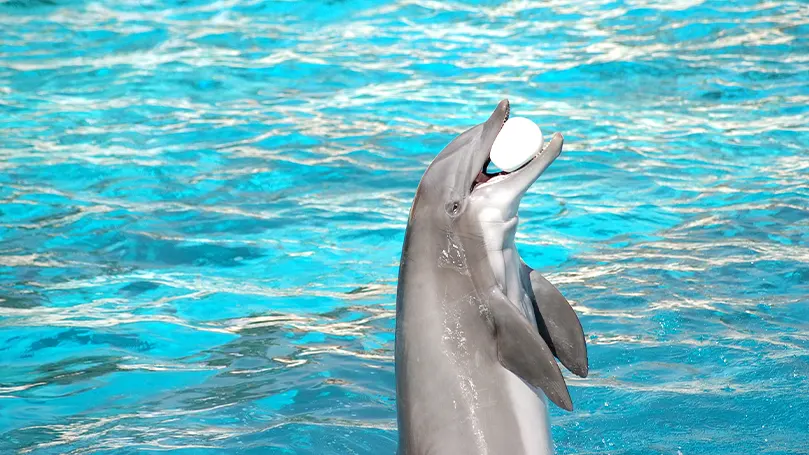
x: 202, y: 205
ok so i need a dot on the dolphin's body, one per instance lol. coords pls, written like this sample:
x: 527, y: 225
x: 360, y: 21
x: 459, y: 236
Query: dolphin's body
x: 476, y: 329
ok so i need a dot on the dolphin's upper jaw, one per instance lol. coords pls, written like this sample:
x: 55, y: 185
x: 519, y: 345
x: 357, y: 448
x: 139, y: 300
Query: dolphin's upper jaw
x: 483, y: 176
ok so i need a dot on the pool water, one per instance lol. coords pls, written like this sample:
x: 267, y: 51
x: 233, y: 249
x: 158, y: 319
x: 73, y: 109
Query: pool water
x: 202, y: 205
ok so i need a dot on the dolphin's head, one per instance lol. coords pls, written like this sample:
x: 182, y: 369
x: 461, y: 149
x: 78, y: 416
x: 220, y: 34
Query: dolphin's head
x: 467, y: 196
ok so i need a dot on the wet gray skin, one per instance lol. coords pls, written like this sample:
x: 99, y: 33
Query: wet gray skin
x: 478, y: 331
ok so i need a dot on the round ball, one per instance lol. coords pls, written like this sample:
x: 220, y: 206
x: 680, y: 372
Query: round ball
x: 518, y: 142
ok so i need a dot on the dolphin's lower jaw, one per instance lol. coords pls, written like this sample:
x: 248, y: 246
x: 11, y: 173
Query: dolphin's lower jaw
x: 525, y: 175
x: 477, y: 330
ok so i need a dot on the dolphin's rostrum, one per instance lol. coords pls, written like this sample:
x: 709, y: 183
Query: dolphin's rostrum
x: 477, y: 330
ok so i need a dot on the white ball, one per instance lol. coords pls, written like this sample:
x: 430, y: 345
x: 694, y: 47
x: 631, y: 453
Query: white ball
x: 516, y: 144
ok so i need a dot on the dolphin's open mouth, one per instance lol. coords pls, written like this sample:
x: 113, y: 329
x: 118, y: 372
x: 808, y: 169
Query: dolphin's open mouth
x: 485, y: 176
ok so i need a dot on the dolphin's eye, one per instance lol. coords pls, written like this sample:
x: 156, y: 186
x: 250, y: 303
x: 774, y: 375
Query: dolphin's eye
x: 453, y: 207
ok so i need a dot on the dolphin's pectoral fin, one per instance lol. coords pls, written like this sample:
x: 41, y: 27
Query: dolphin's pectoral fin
x: 558, y: 323
x: 522, y: 351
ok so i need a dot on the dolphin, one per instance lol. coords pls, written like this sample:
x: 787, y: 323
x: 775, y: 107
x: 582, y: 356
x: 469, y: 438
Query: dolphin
x: 478, y: 331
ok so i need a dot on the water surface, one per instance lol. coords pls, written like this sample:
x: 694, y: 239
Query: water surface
x: 202, y: 205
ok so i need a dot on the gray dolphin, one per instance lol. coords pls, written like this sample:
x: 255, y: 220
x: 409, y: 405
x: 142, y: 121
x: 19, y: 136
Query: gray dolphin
x: 477, y: 330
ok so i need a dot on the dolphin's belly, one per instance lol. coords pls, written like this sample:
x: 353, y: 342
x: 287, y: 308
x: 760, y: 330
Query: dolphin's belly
x: 456, y: 398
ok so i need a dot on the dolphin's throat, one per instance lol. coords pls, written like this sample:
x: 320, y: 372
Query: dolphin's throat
x: 503, y: 257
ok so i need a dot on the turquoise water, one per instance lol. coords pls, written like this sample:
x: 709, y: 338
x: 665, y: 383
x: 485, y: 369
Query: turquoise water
x: 202, y: 205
